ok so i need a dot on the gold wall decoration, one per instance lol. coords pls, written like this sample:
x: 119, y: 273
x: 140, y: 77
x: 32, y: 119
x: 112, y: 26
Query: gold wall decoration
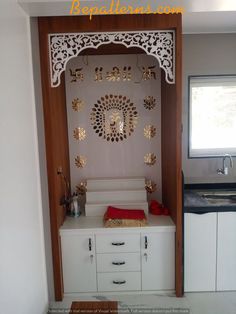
x: 126, y: 73
x: 150, y: 159
x: 98, y: 76
x: 115, y: 75
x: 148, y: 73
x: 114, y: 117
x: 149, y: 102
x: 77, y: 104
x: 80, y: 161
x: 149, y: 131
x: 79, y: 134
x: 150, y: 186
x: 77, y: 75
x: 81, y: 188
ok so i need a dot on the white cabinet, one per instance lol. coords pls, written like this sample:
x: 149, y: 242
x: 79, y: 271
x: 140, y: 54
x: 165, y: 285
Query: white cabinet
x: 117, y: 242
x: 158, y: 261
x: 200, y: 252
x: 226, y: 251
x: 98, y: 259
x: 210, y: 252
x: 118, y: 262
x: 79, y: 263
x: 122, y: 281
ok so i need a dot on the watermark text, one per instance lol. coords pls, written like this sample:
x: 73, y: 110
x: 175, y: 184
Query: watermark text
x: 116, y: 8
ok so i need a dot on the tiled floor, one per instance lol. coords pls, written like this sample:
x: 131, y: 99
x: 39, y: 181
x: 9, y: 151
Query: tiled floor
x: 194, y: 303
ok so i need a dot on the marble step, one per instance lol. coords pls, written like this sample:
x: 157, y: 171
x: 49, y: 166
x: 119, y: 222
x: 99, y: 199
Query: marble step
x: 116, y: 196
x: 100, y: 208
x: 130, y: 183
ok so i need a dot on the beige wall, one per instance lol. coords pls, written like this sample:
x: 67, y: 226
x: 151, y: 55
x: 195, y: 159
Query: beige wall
x: 23, y: 283
x: 42, y: 154
x: 205, y: 55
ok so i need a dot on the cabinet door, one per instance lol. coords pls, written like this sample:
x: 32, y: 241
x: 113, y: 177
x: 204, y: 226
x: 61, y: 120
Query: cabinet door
x: 200, y: 252
x: 79, y: 264
x: 226, y: 251
x: 158, y: 261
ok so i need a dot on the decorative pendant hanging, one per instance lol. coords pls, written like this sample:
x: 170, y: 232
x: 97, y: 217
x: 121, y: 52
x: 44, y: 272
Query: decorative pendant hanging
x: 159, y: 44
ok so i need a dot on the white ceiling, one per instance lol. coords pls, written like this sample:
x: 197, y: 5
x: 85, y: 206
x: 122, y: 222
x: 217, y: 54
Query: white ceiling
x: 200, y: 16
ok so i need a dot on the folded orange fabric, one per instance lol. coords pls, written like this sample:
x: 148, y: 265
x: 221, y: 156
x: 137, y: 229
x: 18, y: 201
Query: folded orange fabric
x: 118, y: 213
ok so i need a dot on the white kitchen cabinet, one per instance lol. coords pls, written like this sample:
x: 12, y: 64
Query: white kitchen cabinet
x: 98, y: 259
x: 158, y: 261
x: 226, y: 251
x: 79, y: 263
x: 200, y: 252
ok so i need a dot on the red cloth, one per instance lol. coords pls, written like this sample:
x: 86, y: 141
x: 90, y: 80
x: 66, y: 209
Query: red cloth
x: 156, y: 208
x: 117, y: 213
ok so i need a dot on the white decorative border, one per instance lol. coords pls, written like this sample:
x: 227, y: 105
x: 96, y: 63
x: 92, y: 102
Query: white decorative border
x: 159, y: 44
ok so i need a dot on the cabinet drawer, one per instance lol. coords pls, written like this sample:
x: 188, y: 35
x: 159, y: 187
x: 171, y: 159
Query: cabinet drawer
x: 118, y: 243
x: 112, y: 262
x: 124, y: 281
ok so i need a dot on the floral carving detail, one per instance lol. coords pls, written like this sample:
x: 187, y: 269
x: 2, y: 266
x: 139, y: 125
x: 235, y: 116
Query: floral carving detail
x: 149, y: 131
x: 150, y: 186
x: 114, y: 117
x: 80, y: 161
x: 149, y: 102
x: 79, y: 134
x: 150, y: 159
x: 159, y: 44
x: 77, y: 104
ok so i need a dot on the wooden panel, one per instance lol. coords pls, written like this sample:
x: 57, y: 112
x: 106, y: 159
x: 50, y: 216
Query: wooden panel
x: 55, y: 120
x: 56, y: 125
x: 171, y: 154
x: 135, y: 22
x: 111, y: 49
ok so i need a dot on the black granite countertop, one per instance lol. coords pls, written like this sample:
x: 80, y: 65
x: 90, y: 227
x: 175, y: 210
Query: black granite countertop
x: 203, y: 199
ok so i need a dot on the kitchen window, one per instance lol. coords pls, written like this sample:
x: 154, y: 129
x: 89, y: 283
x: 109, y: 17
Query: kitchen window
x: 212, y: 115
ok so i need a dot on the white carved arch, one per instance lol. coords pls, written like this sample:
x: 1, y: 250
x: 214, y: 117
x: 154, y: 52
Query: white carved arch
x: 159, y: 44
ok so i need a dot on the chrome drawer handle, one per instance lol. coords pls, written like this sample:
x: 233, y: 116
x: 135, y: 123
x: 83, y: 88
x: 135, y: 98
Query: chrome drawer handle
x: 116, y: 282
x: 90, y: 244
x: 118, y: 263
x: 118, y: 243
x: 146, y: 242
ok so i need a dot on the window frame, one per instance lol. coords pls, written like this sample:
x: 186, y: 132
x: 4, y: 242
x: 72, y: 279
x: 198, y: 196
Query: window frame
x: 207, y: 155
